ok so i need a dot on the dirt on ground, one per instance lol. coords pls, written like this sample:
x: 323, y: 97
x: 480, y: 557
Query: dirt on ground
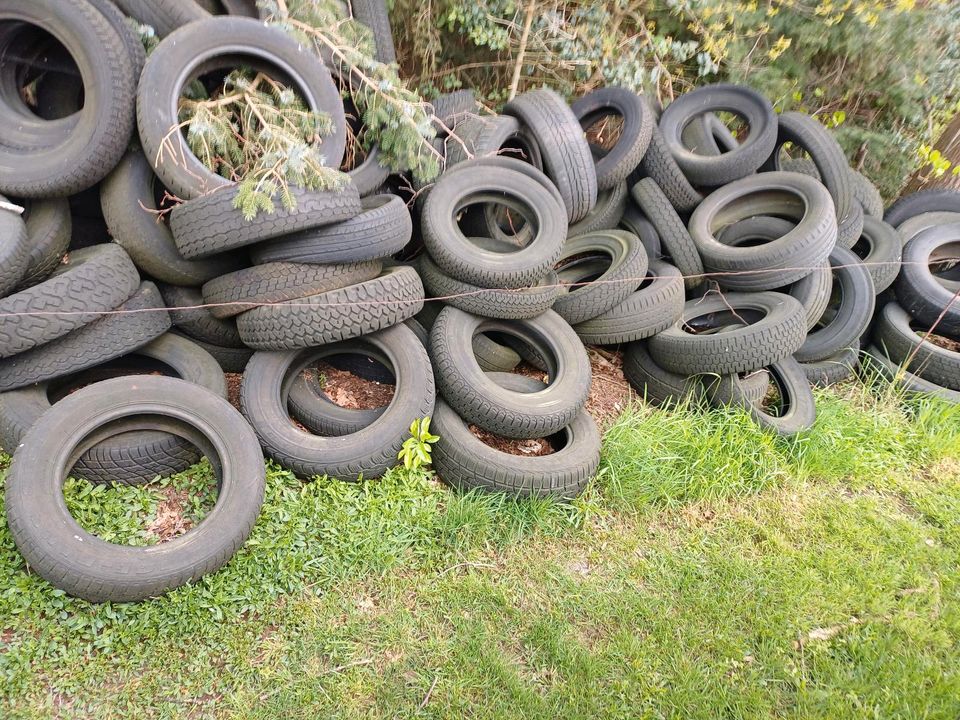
x: 350, y: 391
x: 945, y: 342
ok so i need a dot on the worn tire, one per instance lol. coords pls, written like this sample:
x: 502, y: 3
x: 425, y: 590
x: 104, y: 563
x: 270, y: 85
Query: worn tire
x: 923, y: 296
x: 479, y: 400
x: 658, y: 165
x: 900, y: 342
x: 96, y: 279
x: 673, y: 234
x: 614, y: 166
x: 59, y: 550
x: 192, y: 318
x: 606, y: 214
x: 14, y: 249
x: 906, y: 381
x: 201, y: 44
x: 369, y: 452
x: 465, y: 462
x: 48, y: 231
x: 881, y: 250
x: 563, y: 147
x: 778, y: 330
x: 923, y: 201
x: 349, y: 312
x: 838, y: 368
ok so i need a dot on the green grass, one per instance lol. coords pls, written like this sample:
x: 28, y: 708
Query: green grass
x: 710, y: 571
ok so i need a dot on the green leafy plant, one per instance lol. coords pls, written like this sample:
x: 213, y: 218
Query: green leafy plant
x: 416, y: 449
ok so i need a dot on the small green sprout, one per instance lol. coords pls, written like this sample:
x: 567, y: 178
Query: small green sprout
x: 416, y: 449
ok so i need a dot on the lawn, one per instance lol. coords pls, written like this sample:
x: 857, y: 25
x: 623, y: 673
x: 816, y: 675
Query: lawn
x: 710, y: 571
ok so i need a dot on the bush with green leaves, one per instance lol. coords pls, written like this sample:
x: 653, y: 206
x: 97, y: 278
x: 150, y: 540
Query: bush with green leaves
x: 416, y: 449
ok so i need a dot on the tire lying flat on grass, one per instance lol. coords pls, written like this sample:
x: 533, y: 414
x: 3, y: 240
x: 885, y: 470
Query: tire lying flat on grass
x: 81, y: 564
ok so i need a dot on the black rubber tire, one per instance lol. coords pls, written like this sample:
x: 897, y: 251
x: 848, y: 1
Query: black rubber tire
x: 230, y: 295
x: 209, y: 43
x: 349, y: 312
x: 373, y: 14
x: 866, y: 193
x: 908, y: 229
x: 479, y: 400
x: 99, y: 136
x: 920, y: 293
x: 809, y: 134
x: 781, y: 261
x: 921, y: 202
x: 614, y: 166
x: 606, y: 214
x: 164, y: 16
x: 453, y: 108
x: 813, y: 292
x: 211, y: 224
x: 230, y: 359
x: 493, y: 356
x: 615, y: 257
x: 674, y: 237
x: 483, y: 135
x: 245, y: 8
x: 309, y: 405
x: 831, y: 371
x: 849, y: 230
x: 464, y: 260
x: 658, y: 165
x: 881, y: 250
x: 96, y: 279
x: 463, y: 461
x: 370, y: 175
x: 104, y: 339
x: 382, y: 229
x: 566, y: 154
x: 369, y: 452
x: 132, y: 458
x: 746, y: 158
x: 653, y: 306
x: 48, y: 231
x: 635, y: 221
x: 777, y: 330
x: 906, y: 381
x: 793, y: 385
x: 842, y: 327
x: 655, y: 385
x: 515, y: 304
x: 14, y: 249
x: 130, y: 210
x: 192, y: 318
x: 900, y: 342
x: 81, y: 564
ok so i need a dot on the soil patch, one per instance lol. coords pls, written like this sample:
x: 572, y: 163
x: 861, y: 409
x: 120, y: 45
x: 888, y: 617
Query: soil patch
x: 524, y: 448
x: 171, y: 520
x: 350, y: 391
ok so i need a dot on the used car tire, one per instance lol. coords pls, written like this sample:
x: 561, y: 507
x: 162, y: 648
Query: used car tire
x: 924, y: 296
x: 895, y: 335
x: 881, y: 250
x: 674, y: 236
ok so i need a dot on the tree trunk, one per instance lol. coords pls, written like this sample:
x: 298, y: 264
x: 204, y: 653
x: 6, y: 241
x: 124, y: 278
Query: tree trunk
x: 949, y: 146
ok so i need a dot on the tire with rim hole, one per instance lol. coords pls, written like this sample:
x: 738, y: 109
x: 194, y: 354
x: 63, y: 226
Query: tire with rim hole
x: 658, y: 165
x: 931, y: 300
x: 81, y: 564
x: 492, y: 356
x: 923, y: 201
x: 382, y: 228
x: 845, y: 319
x: 918, y: 223
x: 243, y: 290
x: 639, y: 224
x: 746, y: 158
x: 465, y: 462
x: 895, y: 335
x: 515, y: 304
x: 352, y: 311
x: 479, y: 400
x: 654, y: 305
x: 838, y: 368
x: 808, y: 134
x: 189, y: 315
x: 212, y: 224
x: 567, y: 159
x: 230, y: 359
x: 780, y: 261
x: 465, y: 260
x: 614, y: 165
x: 905, y: 380
x: 674, y: 236
x: 881, y: 250
x: 483, y: 135
x: 212, y: 44
x: 369, y: 452
x: 131, y: 213
x: 731, y: 333
x: 94, y: 280
x: 597, y: 272
x: 866, y: 194
x: 137, y: 321
x: 164, y: 16
x: 794, y: 388
x: 96, y: 140
x: 131, y: 458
